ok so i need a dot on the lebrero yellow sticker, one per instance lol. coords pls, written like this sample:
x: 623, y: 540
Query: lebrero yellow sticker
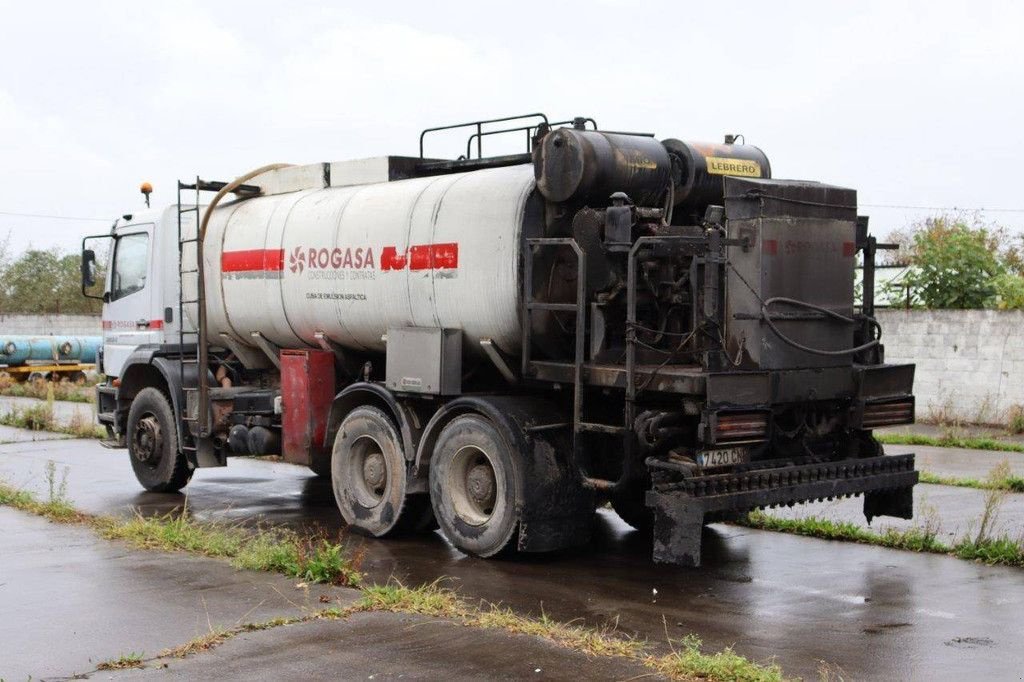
x: 718, y: 165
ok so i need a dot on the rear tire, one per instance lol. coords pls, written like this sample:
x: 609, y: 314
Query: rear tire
x: 368, y: 475
x: 473, y: 486
x: 152, y: 439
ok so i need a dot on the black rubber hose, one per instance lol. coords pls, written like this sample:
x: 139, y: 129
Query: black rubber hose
x: 825, y: 311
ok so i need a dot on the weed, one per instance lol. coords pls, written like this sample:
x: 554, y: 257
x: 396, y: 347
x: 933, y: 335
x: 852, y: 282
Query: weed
x: 993, y: 502
x: 1015, y: 421
x: 58, y: 491
x: 215, y: 637
x: 123, y: 662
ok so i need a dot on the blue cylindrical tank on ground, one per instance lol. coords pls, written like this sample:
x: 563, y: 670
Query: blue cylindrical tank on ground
x: 20, y: 349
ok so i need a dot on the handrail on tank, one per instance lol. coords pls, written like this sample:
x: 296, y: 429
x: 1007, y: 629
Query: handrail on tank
x: 479, y: 128
x: 529, y: 134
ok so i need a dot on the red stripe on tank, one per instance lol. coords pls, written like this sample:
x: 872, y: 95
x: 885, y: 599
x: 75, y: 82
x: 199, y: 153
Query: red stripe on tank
x: 434, y: 256
x: 252, y: 259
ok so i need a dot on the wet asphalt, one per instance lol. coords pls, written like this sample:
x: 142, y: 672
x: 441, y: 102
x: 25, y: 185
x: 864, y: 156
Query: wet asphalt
x: 869, y: 612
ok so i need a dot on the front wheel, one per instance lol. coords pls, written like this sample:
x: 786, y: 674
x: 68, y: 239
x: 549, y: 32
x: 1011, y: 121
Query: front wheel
x: 153, y: 444
x: 473, y: 486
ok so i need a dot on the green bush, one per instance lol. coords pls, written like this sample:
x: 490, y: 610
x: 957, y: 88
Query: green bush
x: 1009, y: 291
x: 955, y: 265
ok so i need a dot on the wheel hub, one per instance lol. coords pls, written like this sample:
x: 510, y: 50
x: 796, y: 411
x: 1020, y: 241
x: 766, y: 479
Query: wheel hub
x: 375, y: 472
x: 147, y: 440
x: 480, y: 485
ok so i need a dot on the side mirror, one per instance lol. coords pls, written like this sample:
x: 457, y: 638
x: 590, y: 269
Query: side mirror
x: 88, y: 269
x: 92, y: 270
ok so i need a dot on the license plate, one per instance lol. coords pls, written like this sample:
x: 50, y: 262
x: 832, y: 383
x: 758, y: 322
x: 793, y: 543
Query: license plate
x: 726, y: 457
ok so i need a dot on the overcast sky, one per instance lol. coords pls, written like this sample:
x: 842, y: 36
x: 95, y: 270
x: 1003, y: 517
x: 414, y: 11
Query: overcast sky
x: 913, y: 104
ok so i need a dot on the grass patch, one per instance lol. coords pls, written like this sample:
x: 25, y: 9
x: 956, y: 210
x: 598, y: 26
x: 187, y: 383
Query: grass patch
x: 40, y: 417
x: 686, y: 661
x: 950, y: 441
x: 1009, y: 483
x: 1002, y: 550
x: 315, y: 559
x: 914, y: 539
x: 123, y: 662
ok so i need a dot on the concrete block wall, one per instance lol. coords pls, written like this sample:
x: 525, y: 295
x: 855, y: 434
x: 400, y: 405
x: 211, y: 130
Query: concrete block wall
x: 45, y: 325
x: 970, y: 363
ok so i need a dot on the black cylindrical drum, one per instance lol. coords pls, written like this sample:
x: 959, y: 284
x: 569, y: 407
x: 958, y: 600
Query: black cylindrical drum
x: 586, y: 166
x: 701, y: 167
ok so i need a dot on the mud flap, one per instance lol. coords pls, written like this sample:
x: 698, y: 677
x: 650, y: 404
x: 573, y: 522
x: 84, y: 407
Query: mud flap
x: 677, y: 529
x: 897, y: 502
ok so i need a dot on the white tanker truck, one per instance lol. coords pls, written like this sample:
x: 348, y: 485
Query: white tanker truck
x: 497, y: 345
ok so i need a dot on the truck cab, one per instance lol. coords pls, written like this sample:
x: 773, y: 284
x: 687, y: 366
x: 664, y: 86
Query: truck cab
x: 140, y: 292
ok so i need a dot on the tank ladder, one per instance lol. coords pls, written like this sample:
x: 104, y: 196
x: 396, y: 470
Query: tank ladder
x: 579, y: 310
x: 195, y: 388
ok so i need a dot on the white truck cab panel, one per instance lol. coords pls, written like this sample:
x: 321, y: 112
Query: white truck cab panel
x: 141, y: 296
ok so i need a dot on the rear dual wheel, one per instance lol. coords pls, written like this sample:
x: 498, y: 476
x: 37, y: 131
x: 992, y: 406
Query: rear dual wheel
x: 368, y: 475
x: 473, y: 482
x: 473, y: 487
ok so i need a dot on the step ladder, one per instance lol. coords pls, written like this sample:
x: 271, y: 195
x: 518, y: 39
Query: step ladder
x: 195, y: 391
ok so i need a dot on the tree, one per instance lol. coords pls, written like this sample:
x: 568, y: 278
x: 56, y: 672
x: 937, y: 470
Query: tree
x: 954, y: 264
x: 43, y: 282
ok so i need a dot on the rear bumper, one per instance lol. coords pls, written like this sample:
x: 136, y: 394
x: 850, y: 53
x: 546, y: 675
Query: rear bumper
x: 682, y: 508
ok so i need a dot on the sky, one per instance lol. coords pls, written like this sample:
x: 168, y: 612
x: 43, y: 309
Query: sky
x: 912, y: 104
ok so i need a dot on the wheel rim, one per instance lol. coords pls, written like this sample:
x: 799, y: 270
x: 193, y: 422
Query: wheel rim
x: 147, y: 441
x: 473, y: 485
x: 368, y: 472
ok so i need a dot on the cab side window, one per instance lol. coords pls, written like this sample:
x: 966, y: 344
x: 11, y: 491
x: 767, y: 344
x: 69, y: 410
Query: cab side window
x: 131, y: 257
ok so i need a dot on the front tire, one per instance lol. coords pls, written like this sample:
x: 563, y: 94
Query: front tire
x: 473, y: 486
x: 152, y: 439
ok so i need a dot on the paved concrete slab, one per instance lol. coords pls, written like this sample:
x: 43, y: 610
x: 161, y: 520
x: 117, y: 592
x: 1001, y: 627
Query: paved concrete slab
x: 71, y: 600
x: 377, y: 646
x: 877, y: 614
x: 9, y: 434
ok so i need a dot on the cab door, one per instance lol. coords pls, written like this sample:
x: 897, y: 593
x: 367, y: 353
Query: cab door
x: 131, y: 314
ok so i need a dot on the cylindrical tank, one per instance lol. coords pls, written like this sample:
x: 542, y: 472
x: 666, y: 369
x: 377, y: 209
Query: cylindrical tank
x: 20, y: 349
x: 587, y: 166
x: 700, y: 167
x: 352, y: 262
